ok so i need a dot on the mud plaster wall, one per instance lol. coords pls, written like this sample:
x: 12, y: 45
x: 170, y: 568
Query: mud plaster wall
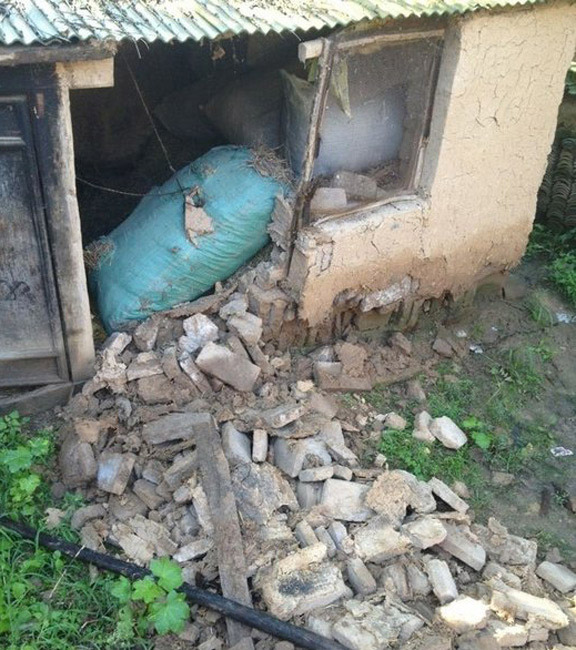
x: 499, y: 87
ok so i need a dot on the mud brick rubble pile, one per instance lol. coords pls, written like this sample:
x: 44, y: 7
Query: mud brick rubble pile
x: 366, y: 555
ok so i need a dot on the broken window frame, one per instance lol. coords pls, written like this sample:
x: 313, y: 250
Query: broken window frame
x: 325, y: 50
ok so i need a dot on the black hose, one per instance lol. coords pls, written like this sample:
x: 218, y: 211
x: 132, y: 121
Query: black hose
x: 250, y: 617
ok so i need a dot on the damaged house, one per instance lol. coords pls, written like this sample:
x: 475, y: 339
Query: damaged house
x: 409, y: 140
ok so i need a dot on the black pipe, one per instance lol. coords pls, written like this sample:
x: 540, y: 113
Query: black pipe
x: 250, y: 617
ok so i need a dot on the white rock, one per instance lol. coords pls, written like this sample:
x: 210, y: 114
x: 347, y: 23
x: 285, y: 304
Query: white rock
x: 361, y: 579
x: 236, y: 445
x: 464, y: 614
x: 259, y: 445
x: 316, y: 474
x: 345, y: 500
x: 422, y: 424
x: 194, y: 550
x: 560, y: 577
x: 425, y: 532
x: 442, y: 582
x: 447, y: 495
x: 448, y: 433
x: 304, y: 534
x: 512, y: 602
x: 458, y: 542
x: 200, y: 330
x: 248, y: 326
x: 378, y: 541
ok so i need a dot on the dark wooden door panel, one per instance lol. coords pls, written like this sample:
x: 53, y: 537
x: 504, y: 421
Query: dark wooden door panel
x: 31, y: 345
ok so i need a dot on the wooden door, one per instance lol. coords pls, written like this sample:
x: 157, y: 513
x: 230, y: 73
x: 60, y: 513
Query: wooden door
x: 31, y: 344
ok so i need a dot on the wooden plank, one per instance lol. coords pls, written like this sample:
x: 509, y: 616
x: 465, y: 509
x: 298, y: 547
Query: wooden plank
x: 87, y: 74
x: 30, y: 402
x: 216, y: 482
x: 58, y: 175
x: 23, y: 55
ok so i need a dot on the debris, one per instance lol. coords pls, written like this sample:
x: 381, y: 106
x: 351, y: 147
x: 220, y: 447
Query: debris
x: 328, y: 199
x: 425, y: 532
x: 337, y: 531
x: 199, y: 330
x: 289, y: 455
x: 378, y: 541
x: 394, y: 421
x: 459, y: 544
x: 330, y: 376
x: 361, y: 579
x: 422, y: 423
x: 414, y: 391
x: 194, y: 550
x: 145, y: 364
x: 345, y: 500
x: 316, y: 474
x: 443, y: 348
x: 229, y: 367
x: 442, y: 582
x: 503, y: 547
x: 145, y: 335
x: 464, y: 614
x: 281, y: 416
x: 448, y: 433
x: 236, y: 445
x: 77, y: 462
x: 196, y: 221
x: 561, y: 452
x: 248, y: 327
x: 174, y: 426
x: 304, y: 534
x: 301, y: 582
x: 449, y: 497
x: 86, y: 514
x: 114, y: 471
x: 560, y: 577
x: 259, y: 445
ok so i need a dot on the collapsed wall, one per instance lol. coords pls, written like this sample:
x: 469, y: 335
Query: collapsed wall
x: 492, y: 125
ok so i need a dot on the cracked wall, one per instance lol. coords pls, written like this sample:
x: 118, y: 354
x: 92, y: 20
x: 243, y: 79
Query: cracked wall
x: 499, y: 88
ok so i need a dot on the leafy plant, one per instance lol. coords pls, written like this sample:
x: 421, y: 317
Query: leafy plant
x: 153, y: 600
x: 479, y: 432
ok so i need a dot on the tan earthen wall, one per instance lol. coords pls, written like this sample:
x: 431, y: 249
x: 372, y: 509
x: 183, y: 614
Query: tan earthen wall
x: 500, y: 84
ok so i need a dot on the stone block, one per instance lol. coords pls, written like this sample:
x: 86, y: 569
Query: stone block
x: 559, y: 576
x: 340, y: 471
x: 507, y: 601
x: 146, y: 491
x: 330, y: 376
x: 181, y: 469
x: 316, y: 474
x: 422, y: 423
x: 228, y: 367
x: 304, y: 534
x: 156, y: 389
x: 145, y: 364
x: 199, y: 330
x: 447, y: 495
x: 328, y: 199
x: 194, y: 550
x: 290, y: 455
x: 461, y: 546
x: 448, y: 433
x: 464, y: 614
x: 337, y: 531
x: 77, y: 462
x: 236, y: 445
x: 248, y: 326
x: 361, y: 579
x: 324, y: 536
x: 345, y: 500
x: 174, y: 426
x: 356, y: 186
x: 442, y: 582
x: 301, y: 582
x: 145, y: 335
x: 259, y: 445
x: 323, y: 404
x: 378, y: 541
x: 114, y: 471
x: 308, y: 494
x: 425, y: 532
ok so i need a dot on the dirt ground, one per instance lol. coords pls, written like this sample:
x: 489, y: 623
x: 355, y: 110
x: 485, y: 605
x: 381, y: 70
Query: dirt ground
x: 520, y: 383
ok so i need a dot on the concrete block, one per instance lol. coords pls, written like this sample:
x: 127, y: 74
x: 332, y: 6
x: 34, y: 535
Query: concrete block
x: 145, y: 334
x: 290, y: 455
x: 395, y: 577
x: 425, y: 532
x: 447, y: 495
x: 146, y: 491
x: 199, y: 330
x: 174, y: 426
x: 324, y: 536
x: 464, y: 614
x: 378, y: 541
x: 259, y: 445
x: 507, y: 601
x: 337, y: 531
x: 356, y: 186
x: 340, y: 471
x: 304, y: 534
x: 448, y: 433
x: 361, y: 579
x: 248, y: 326
x: 77, y: 462
x: 236, y: 445
x: 145, y: 364
x: 316, y: 474
x: 442, y: 582
x: 280, y: 416
x: 228, y: 367
x: 114, y: 471
x: 328, y: 199
x: 308, y: 494
x: 194, y: 550
x: 345, y: 500
x: 560, y: 577
x: 462, y: 547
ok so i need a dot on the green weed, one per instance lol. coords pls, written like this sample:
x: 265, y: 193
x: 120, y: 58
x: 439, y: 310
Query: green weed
x: 563, y: 275
x: 48, y: 602
x: 539, y: 311
x: 152, y: 600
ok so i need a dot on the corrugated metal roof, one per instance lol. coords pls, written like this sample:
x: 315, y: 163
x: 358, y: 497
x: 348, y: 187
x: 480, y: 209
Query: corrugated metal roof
x: 44, y: 21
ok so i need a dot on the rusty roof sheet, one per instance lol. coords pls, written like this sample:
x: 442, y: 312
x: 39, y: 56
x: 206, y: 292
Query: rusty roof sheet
x: 45, y: 21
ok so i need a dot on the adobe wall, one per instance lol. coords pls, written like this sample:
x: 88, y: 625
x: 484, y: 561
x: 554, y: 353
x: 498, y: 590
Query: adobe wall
x: 500, y: 84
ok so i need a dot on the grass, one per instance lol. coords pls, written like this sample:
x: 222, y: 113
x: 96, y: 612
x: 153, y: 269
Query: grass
x: 558, y: 249
x: 485, y: 401
x: 48, y: 602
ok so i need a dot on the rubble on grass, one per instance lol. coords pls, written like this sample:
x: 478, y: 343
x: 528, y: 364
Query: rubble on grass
x: 369, y: 556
